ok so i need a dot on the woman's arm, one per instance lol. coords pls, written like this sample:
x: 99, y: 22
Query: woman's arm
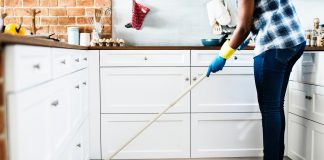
x: 245, y: 15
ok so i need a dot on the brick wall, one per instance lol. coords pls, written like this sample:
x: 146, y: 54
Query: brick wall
x: 3, y: 139
x: 57, y: 15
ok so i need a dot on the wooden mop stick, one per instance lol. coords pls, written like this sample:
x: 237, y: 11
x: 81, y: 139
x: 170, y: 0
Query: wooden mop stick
x: 177, y: 99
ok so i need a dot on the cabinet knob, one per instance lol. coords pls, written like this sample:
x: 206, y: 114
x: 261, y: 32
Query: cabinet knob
x: 79, y: 145
x: 84, y: 83
x: 77, y: 86
x: 77, y: 60
x: 235, y: 58
x: 145, y: 58
x: 85, y: 58
x: 309, y: 97
x: 37, y: 66
x: 187, y: 79
x: 55, y: 103
x: 194, y: 79
x: 63, y: 62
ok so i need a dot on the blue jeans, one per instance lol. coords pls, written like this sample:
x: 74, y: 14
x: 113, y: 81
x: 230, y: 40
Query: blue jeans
x: 272, y: 70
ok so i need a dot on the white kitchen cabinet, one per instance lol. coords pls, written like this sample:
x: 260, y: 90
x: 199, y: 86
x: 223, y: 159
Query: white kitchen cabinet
x: 145, y: 58
x: 305, y: 139
x: 297, y: 138
x: 202, y: 58
x: 143, y: 89
x: 226, y: 135
x: 61, y: 61
x: 308, y: 68
x: 26, y: 66
x: 230, y: 90
x: 307, y: 101
x: 169, y: 137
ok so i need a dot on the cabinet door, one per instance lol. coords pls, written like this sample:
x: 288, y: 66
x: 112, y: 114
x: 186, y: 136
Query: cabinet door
x: 169, y: 137
x: 29, y: 131
x: 60, y: 124
x: 231, y: 90
x: 143, y: 89
x: 226, y: 135
x: 316, y: 141
x: 307, y: 101
x: 76, y: 99
x: 298, y: 137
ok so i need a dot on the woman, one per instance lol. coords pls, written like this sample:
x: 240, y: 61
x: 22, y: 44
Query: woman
x: 279, y: 43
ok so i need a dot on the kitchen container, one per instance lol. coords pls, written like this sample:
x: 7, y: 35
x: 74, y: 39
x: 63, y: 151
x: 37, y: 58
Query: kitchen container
x: 85, y: 39
x: 73, y: 35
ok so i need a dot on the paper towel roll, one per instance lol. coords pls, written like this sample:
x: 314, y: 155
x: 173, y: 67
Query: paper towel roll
x: 218, y: 12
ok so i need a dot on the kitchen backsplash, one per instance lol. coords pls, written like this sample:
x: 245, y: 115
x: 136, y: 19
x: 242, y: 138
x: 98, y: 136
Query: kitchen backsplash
x: 185, y: 22
x: 57, y: 15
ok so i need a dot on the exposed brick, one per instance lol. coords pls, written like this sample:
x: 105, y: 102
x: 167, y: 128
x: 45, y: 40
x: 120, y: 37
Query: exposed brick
x: 2, y: 122
x: 68, y: 3
x: 90, y: 12
x: 21, y: 12
x: 84, y: 20
x: 1, y: 98
x: 57, y: 11
x: 66, y: 20
x: 13, y: 3
x: 84, y: 2
x: 3, y: 150
x: 9, y: 11
x: 106, y: 20
x: 103, y: 3
x: 9, y: 20
x: 30, y: 3
x: 43, y: 29
x: 76, y: 11
x: 28, y: 21
x: 48, y: 20
x: 44, y: 11
x: 106, y: 35
x: 57, y: 29
x: 107, y: 29
x: 48, y: 3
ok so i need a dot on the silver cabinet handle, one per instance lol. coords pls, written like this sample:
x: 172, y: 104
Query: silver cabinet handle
x: 79, y: 145
x: 77, y: 60
x: 84, y: 83
x: 145, y: 58
x: 77, y: 86
x: 187, y: 79
x: 235, y: 58
x: 85, y: 58
x: 55, y: 103
x: 37, y: 66
x: 194, y: 79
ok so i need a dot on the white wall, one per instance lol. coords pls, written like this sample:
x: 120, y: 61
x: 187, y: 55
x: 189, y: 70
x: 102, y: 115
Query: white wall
x: 308, y: 10
x: 184, y: 22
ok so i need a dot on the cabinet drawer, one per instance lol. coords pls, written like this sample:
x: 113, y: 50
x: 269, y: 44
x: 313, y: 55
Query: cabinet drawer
x: 201, y: 58
x: 27, y: 66
x: 169, y: 137
x: 79, y: 59
x: 226, y: 135
x: 309, y: 69
x: 143, y: 89
x: 145, y: 58
x: 230, y: 90
x: 307, y: 101
x: 62, y: 62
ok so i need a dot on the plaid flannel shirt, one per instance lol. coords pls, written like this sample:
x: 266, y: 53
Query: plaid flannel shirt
x: 276, y: 25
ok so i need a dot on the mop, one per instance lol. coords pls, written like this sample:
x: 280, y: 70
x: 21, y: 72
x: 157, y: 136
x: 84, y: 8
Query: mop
x: 177, y: 99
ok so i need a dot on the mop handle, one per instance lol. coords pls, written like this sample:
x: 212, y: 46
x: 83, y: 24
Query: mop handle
x: 158, y: 116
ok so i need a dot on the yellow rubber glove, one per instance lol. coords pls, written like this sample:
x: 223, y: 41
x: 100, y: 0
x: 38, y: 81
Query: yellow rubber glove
x: 226, y: 51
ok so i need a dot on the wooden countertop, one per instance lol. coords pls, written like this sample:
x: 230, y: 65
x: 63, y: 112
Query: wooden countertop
x: 9, y: 39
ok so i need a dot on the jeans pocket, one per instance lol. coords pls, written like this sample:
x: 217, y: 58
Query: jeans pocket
x: 285, y: 55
